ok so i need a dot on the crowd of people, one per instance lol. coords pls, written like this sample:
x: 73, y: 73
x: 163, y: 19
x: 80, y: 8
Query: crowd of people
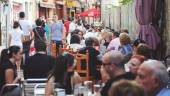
x: 127, y: 67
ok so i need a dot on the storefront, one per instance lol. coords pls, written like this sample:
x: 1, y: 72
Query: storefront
x: 46, y: 9
x: 73, y: 7
x: 17, y: 7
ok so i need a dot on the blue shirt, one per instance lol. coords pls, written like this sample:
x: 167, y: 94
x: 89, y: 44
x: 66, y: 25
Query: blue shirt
x: 126, y: 49
x: 164, y: 92
x: 57, y: 31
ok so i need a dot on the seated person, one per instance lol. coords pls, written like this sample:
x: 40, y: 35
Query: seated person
x: 63, y: 75
x: 136, y: 43
x: 93, y: 57
x: 124, y: 87
x: 134, y: 63
x: 126, y: 47
x: 144, y: 50
x: 40, y: 64
x: 75, y: 42
x: 9, y: 66
x: 113, y: 70
x: 115, y: 43
x: 152, y: 75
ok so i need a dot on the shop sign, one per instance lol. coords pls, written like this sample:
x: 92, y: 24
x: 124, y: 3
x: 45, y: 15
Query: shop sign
x: 47, y: 5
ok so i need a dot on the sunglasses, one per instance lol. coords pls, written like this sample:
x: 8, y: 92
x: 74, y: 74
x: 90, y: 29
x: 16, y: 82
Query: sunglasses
x: 106, y: 64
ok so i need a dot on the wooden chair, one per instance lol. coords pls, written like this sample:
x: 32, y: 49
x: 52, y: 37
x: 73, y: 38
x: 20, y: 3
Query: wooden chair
x: 67, y: 49
x: 53, y: 50
x: 84, y: 73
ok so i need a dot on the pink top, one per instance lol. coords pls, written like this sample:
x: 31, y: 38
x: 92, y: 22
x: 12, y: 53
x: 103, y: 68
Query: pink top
x: 114, y: 44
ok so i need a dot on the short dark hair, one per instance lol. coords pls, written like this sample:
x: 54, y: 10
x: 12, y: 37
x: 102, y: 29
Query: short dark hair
x: 125, y: 31
x: 39, y: 22
x: 22, y: 15
x: 8, y: 53
x: 137, y: 42
x: 75, y: 39
x: 16, y: 24
x: 116, y: 34
x: 89, y: 41
x: 40, y: 46
x: 144, y: 50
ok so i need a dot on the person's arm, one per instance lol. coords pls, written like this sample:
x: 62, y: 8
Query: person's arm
x: 76, y: 78
x: 64, y: 34
x: 49, y: 87
x: 32, y: 35
x: 9, y: 77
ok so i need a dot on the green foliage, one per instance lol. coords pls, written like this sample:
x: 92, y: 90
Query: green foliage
x: 125, y: 2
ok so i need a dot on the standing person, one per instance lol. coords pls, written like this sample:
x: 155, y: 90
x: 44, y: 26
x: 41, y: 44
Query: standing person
x: 72, y: 25
x: 66, y: 24
x: 8, y: 65
x: 39, y: 32
x: 27, y: 33
x: 16, y: 36
x: 72, y: 28
x: 57, y: 32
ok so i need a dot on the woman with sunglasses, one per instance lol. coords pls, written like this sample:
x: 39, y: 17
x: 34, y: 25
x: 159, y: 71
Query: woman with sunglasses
x: 9, y: 66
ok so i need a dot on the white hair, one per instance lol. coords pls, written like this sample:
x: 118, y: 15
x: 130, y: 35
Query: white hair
x: 158, y: 70
x: 115, y: 57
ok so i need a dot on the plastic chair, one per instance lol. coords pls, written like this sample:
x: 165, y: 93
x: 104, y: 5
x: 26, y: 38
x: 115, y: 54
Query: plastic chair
x: 39, y: 89
x: 11, y: 90
x: 30, y: 84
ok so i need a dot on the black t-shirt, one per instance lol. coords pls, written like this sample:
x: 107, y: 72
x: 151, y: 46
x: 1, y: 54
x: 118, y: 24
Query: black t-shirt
x: 38, y: 66
x: 126, y: 76
x: 39, y: 32
x: 3, y: 67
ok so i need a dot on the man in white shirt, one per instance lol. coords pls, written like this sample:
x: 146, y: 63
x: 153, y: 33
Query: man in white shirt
x: 72, y: 26
x: 27, y: 33
x: 115, y: 43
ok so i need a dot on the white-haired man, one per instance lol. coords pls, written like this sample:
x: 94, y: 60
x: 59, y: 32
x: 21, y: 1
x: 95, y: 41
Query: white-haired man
x: 113, y: 69
x: 153, y: 77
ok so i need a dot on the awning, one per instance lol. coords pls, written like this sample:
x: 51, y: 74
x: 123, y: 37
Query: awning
x: 90, y: 13
x: 47, y: 5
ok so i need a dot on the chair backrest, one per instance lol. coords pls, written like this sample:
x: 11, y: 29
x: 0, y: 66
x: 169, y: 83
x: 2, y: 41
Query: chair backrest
x: 53, y: 50
x: 83, y: 72
x: 11, y: 90
x: 30, y: 84
x: 68, y: 50
x: 39, y: 89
